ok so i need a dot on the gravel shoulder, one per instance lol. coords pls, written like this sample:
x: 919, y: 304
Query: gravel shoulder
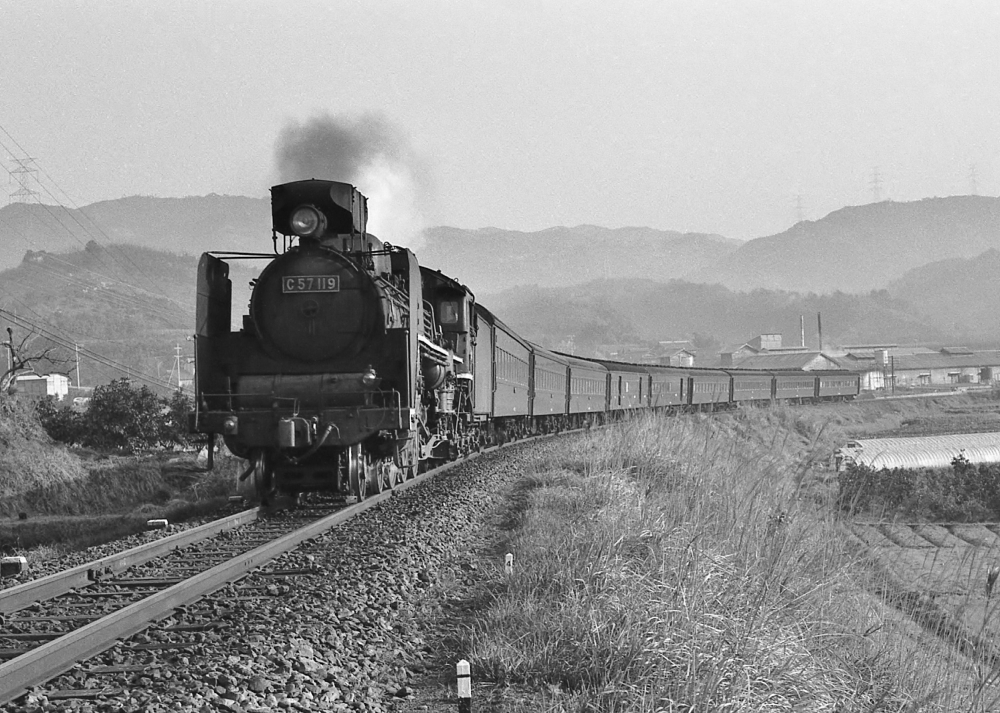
x: 366, y: 628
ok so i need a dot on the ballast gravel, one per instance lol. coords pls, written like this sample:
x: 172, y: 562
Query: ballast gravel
x: 42, y: 567
x: 335, y: 633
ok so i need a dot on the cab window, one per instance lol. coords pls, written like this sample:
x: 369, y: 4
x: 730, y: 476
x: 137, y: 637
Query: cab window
x: 449, y: 312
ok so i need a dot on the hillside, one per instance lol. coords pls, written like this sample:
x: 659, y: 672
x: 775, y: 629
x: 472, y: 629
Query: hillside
x: 182, y: 225
x: 130, y: 304
x: 861, y: 248
x: 632, y: 311
x: 855, y: 249
x: 492, y: 260
x: 584, y: 286
x: 959, y: 294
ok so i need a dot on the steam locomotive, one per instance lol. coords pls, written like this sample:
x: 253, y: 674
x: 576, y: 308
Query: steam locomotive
x: 355, y: 366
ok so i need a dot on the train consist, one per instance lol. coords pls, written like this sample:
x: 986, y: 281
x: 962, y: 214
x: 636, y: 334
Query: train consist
x: 355, y: 366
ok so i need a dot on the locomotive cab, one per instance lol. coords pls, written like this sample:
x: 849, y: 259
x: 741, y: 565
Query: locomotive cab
x: 447, y: 374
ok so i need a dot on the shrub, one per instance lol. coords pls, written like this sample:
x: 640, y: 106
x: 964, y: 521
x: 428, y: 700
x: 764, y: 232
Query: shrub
x: 62, y: 424
x: 121, y: 417
x: 966, y: 492
x: 174, y: 422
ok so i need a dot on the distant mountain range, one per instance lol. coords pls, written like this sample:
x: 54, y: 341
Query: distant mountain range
x: 854, y: 249
x: 861, y: 248
x: 491, y: 260
x: 187, y: 226
x: 121, y: 274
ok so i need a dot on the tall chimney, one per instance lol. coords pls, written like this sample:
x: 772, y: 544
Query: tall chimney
x: 819, y: 327
x: 802, y: 328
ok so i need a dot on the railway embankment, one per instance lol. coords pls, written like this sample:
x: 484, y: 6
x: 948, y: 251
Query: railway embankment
x: 685, y: 564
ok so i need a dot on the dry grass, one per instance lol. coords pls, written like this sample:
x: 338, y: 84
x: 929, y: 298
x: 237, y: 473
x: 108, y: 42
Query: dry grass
x: 674, y: 564
x: 75, y: 499
x: 29, y: 459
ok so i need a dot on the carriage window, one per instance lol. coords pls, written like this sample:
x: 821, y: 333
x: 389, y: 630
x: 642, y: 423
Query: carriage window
x: 449, y: 312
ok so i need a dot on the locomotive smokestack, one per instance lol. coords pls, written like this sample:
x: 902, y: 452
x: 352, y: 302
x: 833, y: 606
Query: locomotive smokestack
x: 819, y: 327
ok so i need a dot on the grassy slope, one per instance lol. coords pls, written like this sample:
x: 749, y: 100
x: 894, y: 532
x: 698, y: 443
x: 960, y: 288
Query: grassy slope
x: 697, y: 564
x: 29, y: 460
x: 82, y: 498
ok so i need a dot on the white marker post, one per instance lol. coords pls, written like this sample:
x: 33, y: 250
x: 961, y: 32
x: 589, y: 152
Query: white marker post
x: 12, y: 566
x: 508, y: 563
x: 464, y: 687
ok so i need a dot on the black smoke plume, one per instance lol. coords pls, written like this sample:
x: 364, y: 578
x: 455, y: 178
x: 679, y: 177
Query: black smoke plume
x: 367, y: 151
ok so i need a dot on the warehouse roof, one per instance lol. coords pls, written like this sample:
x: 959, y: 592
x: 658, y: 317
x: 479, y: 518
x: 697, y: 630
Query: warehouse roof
x: 941, y: 361
x: 804, y: 361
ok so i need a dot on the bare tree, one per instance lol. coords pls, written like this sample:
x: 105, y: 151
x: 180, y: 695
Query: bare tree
x: 24, y: 355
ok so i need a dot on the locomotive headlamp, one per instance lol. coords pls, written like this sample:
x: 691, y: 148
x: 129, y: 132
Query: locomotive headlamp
x: 369, y: 378
x: 307, y: 222
x: 231, y: 426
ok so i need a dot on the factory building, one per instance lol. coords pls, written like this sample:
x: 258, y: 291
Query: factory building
x: 947, y: 368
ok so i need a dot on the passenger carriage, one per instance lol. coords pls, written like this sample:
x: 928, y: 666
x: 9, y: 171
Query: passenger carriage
x: 709, y: 388
x: 588, y: 389
x: 628, y: 385
x: 752, y: 386
x: 839, y: 385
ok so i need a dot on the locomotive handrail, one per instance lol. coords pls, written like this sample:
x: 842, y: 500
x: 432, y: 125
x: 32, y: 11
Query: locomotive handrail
x: 234, y: 254
x: 390, y: 398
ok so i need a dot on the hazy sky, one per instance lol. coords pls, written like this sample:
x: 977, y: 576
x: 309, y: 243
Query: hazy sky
x: 697, y: 116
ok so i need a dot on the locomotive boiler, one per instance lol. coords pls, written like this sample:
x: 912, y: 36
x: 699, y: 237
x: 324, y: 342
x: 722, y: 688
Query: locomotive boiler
x: 349, y: 368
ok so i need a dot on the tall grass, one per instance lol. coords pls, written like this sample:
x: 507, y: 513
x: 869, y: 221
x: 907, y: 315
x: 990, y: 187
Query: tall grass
x: 674, y: 564
x: 28, y: 457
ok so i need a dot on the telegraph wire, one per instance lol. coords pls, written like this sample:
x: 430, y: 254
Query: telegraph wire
x: 93, y: 356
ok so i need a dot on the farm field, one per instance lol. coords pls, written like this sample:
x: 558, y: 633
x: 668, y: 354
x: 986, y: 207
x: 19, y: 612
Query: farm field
x: 938, y: 573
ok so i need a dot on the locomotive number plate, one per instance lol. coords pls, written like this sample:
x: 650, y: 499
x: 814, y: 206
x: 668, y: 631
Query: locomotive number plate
x: 310, y: 283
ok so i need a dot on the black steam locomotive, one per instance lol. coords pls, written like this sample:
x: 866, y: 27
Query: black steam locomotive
x: 350, y: 368
x: 355, y: 366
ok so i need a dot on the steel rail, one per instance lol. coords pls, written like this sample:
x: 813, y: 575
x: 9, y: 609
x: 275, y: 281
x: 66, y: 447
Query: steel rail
x: 19, y: 675
x: 45, y: 662
x: 54, y: 585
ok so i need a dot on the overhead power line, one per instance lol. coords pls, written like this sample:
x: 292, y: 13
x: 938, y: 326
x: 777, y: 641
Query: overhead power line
x: 94, y: 356
x: 22, y: 177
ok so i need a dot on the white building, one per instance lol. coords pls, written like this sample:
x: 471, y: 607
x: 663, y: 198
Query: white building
x: 38, y: 387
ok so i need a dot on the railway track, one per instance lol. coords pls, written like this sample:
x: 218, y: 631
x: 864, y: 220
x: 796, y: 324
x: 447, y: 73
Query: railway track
x: 52, y: 624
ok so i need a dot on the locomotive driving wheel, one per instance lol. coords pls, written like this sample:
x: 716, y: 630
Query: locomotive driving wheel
x: 356, y: 480
x: 257, y: 481
x: 373, y: 476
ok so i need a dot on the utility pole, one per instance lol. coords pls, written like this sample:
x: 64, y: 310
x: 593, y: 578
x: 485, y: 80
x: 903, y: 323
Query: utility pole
x: 177, y: 363
x: 77, y: 348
